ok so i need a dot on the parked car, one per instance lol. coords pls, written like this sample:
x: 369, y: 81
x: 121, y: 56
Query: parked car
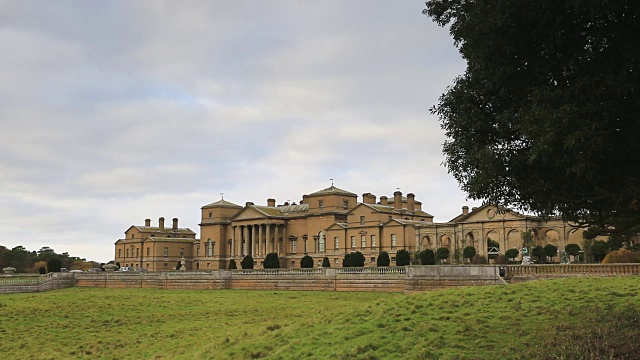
x: 126, y: 268
x: 75, y: 271
x: 64, y: 270
x: 94, y: 270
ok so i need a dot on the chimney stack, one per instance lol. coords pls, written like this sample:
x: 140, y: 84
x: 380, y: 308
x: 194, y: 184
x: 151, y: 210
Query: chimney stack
x: 175, y: 224
x: 465, y: 210
x: 147, y: 222
x: 383, y: 200
x: 248, y: 203
x: 271, y: 202
x: 161, y: 223
x: 397, y: 200
x: 368, y: 198
x: 411, y: 202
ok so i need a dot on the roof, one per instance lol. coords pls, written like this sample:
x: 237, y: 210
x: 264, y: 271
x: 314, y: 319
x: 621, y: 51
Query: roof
x: 166, y: 230
x: 332, y: 190
x: 391, y: 210
x: 281, y: 210
x: 222, y: 203
x: 168, y: 239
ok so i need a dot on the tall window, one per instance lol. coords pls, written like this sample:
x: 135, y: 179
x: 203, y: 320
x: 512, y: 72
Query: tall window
x: 306, y: 244
x: 127, y: 253
x: 393, y: 241
x: 210, y: 215
x: 336, y: 243
x: 321, y: 242
x: 361, y: 220
x: 209, y: 248
x: 137, y: 252
x: 166, y: 252
x: 320, y: 204
x: 293, y: 246
x: 345, y: 204
x: 148, y: 251
x: 198, y: 251
x: 373, y: 242
x: 181, y: 252
x: 119, y: 253
x: 363, y: 241
x: 353, y: 242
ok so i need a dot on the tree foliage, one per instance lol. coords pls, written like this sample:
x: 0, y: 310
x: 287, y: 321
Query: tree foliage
x: 271, y: 261
x: 306, y: 262
x: 427, y: 257
x: 383, y: 259
x: 511, y: 254
x: 545, y: 117
x: 247, y: 262
x: 551, y: 250
x: 325, y: 262
x: 469, y: 252
x: 403, y: 258
x: 232, y: 265
x: 354, y: 259
x: 54, y: 264
x: 442, y: 254
x: 573, y: 250
x: 539, y: 252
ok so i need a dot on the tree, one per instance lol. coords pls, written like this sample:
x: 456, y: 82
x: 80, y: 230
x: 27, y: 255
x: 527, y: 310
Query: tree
x: 599, y: 250
x: 271, y: 261
x: 549, y: 85
x: 42, y: 270
x: 442, y: 254
x: 354, y: 259
x: 383, y: 259
x: 551, y: 251
x: 511, y: 254
x: 573, y: 250
x: 247, y: 262
x: 427, y: 257
x: 306, y: 262
x: 403, y: 258
x: 326, y: 263
x: 232, y: 265
x: 54, y: 264
x: 539, y: 252
x: 469, y: 252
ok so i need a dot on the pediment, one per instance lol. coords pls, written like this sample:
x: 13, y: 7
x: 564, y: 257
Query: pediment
x: 491, y: 212
x: 249, y: 213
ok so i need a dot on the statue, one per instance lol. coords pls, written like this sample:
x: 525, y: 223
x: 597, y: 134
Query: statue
x: 564, y: 259
x: 526, y: 259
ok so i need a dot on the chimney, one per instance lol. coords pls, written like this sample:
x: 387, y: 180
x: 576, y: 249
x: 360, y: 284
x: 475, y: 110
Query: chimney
x: 271, y: 202
x: 147, y: 222
x: 411, y: 202
x: 465, y: 210
x: 474, y: 208
x: 397, y: 200
x: 383, y: 200
x: 286, y: 203
x: 161, y: 223
x: 249, y: 203
x: 368, y: 198
x: 175, y: 224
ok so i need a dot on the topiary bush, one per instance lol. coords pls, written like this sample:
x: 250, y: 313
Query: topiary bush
x: 383, y: 259
x: 271, y: 261
x: 442, y: 254
x: 427, y: 257
x: 306, y: 262
x: 232, y: 265
x: 325, y: 262
x: 468, y: 253
x: 539, y: 253
x: 551, y: 251
x: 42, y: 270
x: 511, y: 254
x: 247, y: 262
x: 622, y: 256
x: 573, y: 250
x: 403, y: 258
x: 354, y: 259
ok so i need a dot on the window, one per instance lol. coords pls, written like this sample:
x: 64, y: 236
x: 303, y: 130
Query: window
x: 127, y: 254
x: 345, y: 204
x: 335, y: 261
x: 361, y: 220
x: 181, y: 252
x: 373, y: 260
x: 353, y: 242
x: 165, y: 264
x: 293, y: 264
x: 147, y: 264
x: 363, y: 241
x: 148, y: 251
x: 320, y: 204
x: 198, y: 251
x: 210, y: 215
x: 321, y: 242
x: 210, y: 248
x: 137, y: 252
x: 166, y: 252
x: 393, y: 241
x: 133, y: 236
x: 336, y: 243
x: 208, y: 265
x: 373, y: 242
x: 293, y: 247
x: 306, y: 244
x: 119, y: 253
x: 393, y: 259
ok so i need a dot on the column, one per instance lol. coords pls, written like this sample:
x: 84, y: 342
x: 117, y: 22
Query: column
x: 254, y: 238
x: 260, y: 233
x: 233, y: 241
x: 267, y: 239
x: 245, y: 237
x: 276, y: 229
x: 284, y: 240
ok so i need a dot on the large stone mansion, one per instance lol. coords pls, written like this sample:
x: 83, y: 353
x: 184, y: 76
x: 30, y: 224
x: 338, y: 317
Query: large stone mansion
x: 328, y: 223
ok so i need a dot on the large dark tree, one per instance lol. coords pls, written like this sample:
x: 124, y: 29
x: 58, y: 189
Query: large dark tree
x: 383, y: 259
x: 546, y: 117
x: 247, y: 262
x: 403, y: 257
x: 271, y: 261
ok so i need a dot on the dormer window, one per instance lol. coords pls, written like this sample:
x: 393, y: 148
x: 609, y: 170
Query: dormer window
x: 210, y: 215
x: 345, y: 204
x: 133, y: 235
x: 362, y: 220
x: 320, y: 204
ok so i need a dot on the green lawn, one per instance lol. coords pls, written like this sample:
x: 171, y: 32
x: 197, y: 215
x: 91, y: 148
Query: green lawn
x: 531, y: 320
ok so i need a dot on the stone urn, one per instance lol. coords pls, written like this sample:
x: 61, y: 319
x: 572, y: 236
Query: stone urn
x: 9, y: 270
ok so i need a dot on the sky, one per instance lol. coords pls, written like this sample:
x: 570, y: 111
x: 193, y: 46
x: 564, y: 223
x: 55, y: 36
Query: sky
x: 112, y: 112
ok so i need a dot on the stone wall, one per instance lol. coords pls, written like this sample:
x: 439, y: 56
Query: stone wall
x: 520, y: 273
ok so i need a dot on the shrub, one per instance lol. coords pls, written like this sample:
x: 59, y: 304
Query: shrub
x: 247, y: 262
x: 599, y: 250
x: 573, y: 250
x: 442, y: 253
x: 271, y: 261
x: 354, y: 259
x: 427, y: 257
x: 511, y: 254
x: 469, y: 252
x: 306, y: 262
x: 539, y: 252
x: 178, y: 266
x: 479, y: 259
x: 54, y: 264
x: 403, y: 258
x: 622, y: 256
x: 383, y: 259
x: 42, y: 270
x: 232, y: 265
x: 551, y: 250
x: 325, y: 262
x: 500, y: 259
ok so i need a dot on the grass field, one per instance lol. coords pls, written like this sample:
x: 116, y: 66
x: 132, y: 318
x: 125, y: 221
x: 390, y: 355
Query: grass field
x: 531, y: 320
